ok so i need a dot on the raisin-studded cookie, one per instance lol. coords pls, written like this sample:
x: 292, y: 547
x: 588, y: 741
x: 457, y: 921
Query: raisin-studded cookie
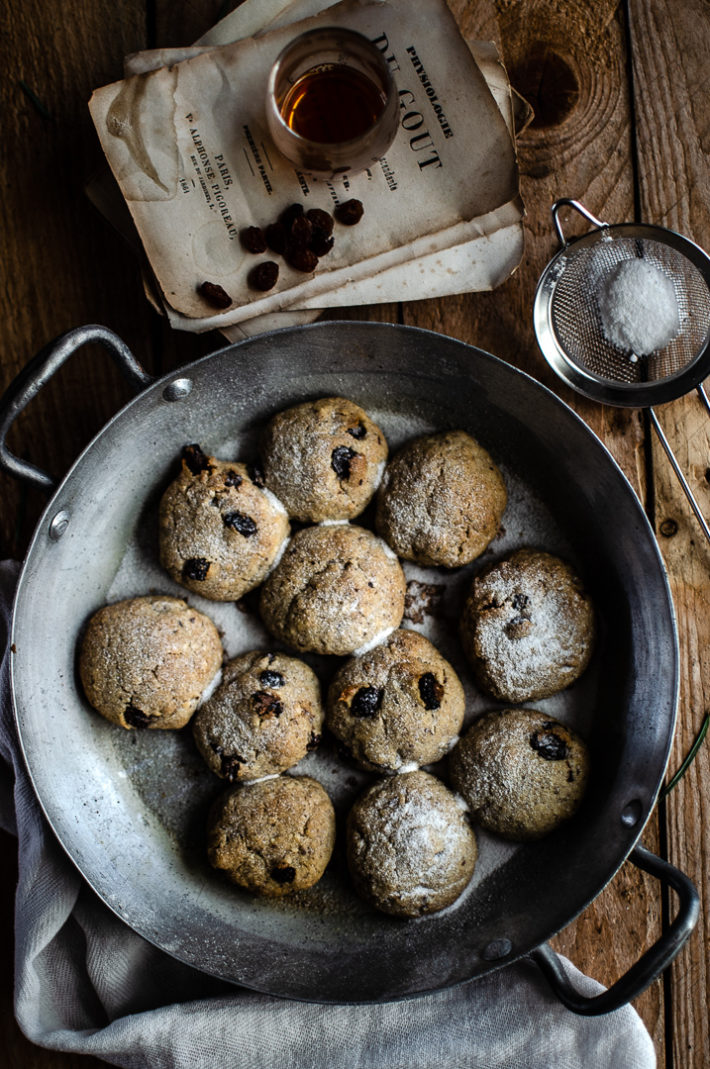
x: 527, y: 627
x: 397, y: 706
x: 263, y: 718
x: 521, y: 772
x: 336, y: 589
x: 441, y: 500
x: 411, y: 850
x: 221, y: 530
x: 146, y: 662
x: 323, y: 459
x: 272, y: 837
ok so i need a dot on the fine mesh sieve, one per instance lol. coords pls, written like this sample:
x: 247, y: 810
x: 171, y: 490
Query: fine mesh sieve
x: 568, y: 321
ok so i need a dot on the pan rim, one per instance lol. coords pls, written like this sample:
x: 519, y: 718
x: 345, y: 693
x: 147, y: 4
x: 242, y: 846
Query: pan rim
x: 377, y: 328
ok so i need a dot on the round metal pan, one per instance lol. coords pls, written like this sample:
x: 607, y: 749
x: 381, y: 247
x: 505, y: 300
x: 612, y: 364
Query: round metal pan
x: 129, y: 807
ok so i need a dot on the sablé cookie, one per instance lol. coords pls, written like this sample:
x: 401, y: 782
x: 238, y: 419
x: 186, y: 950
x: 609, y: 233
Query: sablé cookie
x: 146, y: 661
x: 398, y: 706
x: 441, y: 500
x: 527, y: 627
x: 220, y: 530
x: 410, y: 848
x: 323, y: 459
x: 521, y: 772
x: 336, y: 589
x: 273, y: 837
x: 265, y: 716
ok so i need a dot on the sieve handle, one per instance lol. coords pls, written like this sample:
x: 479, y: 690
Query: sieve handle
x: 700, y: 390
x: 676, y: 467
x: 567, y: 202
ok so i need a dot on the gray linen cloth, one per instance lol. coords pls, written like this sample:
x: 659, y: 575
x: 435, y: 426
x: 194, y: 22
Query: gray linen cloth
x: 86, y: 983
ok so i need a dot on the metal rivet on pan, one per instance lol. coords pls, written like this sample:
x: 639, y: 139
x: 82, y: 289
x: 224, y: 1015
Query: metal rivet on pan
x: 496, y: 949
x: 177, y: 390
x: 58, y: 525
x: 631, y: 813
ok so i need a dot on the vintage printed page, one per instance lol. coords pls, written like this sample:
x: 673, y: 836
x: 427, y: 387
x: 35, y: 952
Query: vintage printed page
x: 188, y: 146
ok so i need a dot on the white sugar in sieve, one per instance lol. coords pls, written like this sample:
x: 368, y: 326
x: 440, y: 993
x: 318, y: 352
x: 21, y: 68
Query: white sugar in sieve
x: 570, y: 329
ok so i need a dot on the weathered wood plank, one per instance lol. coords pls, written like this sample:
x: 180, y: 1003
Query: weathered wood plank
x: 671, y: 43
x: 570, y: 62
x: 62, y: 264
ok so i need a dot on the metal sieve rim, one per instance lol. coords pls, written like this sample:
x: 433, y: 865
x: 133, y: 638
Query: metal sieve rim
x: 621, y: 394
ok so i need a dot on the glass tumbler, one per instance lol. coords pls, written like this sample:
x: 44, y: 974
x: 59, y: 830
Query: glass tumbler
x: 332, y: 105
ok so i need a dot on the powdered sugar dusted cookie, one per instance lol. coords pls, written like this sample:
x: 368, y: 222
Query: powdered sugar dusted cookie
x: 441, y: 500
x: 220, y: 530
x: 527, y: 627
x: 265, y: 715
x: 336, y: 589
x: 411, y: 850
x: 521, y: 772
x: 273, y: 837
x: 401, y: 705
x: 323, y: 459
x: 146, y: 662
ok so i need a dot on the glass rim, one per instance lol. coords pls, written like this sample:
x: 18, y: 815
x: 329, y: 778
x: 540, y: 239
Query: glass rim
x: 389, y: 87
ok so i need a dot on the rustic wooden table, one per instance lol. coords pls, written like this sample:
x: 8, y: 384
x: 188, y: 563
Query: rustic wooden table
x: 622, y: 101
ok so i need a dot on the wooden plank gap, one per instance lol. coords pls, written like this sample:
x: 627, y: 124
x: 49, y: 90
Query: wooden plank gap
x: 668, y: 1029
x: 631, y: 82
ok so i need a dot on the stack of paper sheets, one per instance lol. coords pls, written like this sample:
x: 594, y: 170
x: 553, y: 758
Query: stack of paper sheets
x: 185, y: 136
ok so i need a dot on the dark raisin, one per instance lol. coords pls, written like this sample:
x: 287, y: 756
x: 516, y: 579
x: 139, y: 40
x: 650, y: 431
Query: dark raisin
x: 549, y: 745
x: 320, y: 244
x: 135, y: 716
x: 266, y: 704
x: 214, y: 294
x: 520, y: 602
x: 264, y: 276
x: 275, y: 235
x: 232, y: 478
x: 518, y: 627
x: 238, y: 521
x: 430, y: 690
x: 256, y: 475
x: 289, y: 214
x: 358, y: 432
x: 283, y: 874
x: 300, y: 231
x: 195, y: 568
x: 301, y: 259
x: 229, y: 766
x: 195, y: 459
x: 367, y: 701
x: 340, y: 460
x: 349, y: 212
x: 313, y: 741
x: 321, y: 220
x: 271, y: 678
x: 252, y: 238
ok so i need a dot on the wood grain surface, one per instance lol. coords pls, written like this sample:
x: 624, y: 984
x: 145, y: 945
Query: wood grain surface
x: 670, y: 46
x: 622, y: 124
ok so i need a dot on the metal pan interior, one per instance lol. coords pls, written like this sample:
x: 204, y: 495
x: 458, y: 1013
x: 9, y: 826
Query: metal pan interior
x: 129, y: 807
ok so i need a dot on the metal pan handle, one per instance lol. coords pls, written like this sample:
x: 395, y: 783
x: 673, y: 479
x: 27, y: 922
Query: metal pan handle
x: 38, y: 371
x: 643, y: 972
